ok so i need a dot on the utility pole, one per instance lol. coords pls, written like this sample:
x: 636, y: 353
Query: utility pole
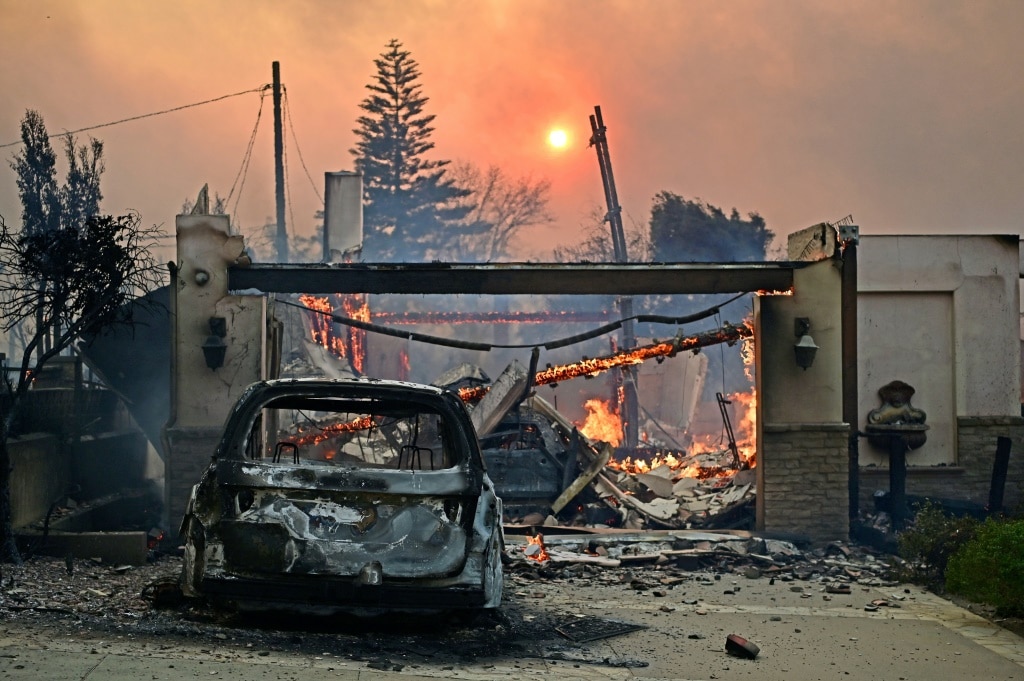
x: 282, y: 233
x: 630, y: 402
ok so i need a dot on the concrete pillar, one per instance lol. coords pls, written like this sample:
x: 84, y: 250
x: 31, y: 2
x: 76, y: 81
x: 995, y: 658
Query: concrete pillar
x: 201, y: 396
x: 343, y: 214
x: 802, y: 464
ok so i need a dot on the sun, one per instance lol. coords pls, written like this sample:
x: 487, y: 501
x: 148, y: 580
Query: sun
x: 558, y: 138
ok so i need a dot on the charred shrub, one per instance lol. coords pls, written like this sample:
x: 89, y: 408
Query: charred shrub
x: 930, y: 543
x: 990, y: 567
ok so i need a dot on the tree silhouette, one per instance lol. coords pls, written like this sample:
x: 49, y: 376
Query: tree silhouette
x: 694, y: 231
x: 66, y: 273
x: 499, y: 207
x: 409, y: 202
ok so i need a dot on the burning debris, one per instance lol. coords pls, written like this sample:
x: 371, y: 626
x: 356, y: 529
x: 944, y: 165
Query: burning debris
x: 548, y: 472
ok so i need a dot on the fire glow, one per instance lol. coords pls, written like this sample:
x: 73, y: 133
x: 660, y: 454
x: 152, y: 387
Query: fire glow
x: 351, y: 344
x: 318, y: 436
x: 594, y: 366
x: 603, y: 421
x: 535, y: 549
x: 402, y: 318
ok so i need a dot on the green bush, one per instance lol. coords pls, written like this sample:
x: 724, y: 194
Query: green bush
x: 929, y: 544
x: 990, y: 568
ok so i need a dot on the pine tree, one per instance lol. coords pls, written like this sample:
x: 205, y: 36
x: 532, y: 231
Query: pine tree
x: 409, y: 204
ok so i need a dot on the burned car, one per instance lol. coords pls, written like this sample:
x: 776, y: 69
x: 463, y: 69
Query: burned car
x: 329, y: 496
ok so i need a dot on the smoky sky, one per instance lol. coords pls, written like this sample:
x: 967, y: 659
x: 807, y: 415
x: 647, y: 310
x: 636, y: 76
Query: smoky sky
x: 904, y: 115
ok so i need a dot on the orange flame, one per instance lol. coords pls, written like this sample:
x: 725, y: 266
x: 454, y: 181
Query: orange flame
x: 539, y: 556
x: 321, y: 434
x: 397, y: 318
x: 602, y: 422
x: 593, y: 367
x: 351, y: 343
x: 405, y: 367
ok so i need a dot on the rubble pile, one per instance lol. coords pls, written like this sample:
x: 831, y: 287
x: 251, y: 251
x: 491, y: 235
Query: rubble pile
x: 660, y: 498
x: 654, y: 561
x: 87, y: 588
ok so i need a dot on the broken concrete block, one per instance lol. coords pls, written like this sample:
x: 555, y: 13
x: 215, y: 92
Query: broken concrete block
x: 659, y: 485
x: 684, y: 485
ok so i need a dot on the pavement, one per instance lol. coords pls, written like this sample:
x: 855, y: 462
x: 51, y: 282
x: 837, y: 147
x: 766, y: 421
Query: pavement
x: 802, y: 632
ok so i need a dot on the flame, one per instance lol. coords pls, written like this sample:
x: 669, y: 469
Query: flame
x: 399, y: 318
x: 154, y: 540
x: 602, y: 422
x: 686, y: 464
x: 324, y: 432
x: 591, y: 367
x: 358, y: 309
x: 349, y: 344
x: 537, y: 540
x: 404, y: 366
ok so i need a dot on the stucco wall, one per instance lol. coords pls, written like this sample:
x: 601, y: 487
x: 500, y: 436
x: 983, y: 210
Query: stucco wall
x: 803, y: 466
x: 981, y: 274
x: 942, y: 314
x: 201, y: 397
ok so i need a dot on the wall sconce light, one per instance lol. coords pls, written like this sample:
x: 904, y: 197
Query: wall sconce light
x: 214, y: 347
x: 805, y: 348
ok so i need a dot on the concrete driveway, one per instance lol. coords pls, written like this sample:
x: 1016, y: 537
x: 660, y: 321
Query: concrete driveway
x: 802, y: 631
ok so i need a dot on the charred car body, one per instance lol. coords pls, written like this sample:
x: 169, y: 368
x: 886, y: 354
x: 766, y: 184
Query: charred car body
x: 333, y: 496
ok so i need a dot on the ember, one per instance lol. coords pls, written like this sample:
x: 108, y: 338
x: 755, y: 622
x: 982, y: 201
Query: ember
x: 594, y: 366
x: 396, y: 318
x: 350, y: 343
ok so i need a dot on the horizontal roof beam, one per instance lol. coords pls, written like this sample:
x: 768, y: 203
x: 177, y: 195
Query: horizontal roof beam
x: 515, y: 278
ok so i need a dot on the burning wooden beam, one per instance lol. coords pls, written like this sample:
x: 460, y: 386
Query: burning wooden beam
x: 727, y: 333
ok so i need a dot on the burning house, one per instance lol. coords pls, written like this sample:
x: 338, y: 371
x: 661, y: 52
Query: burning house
x: 828, y: 329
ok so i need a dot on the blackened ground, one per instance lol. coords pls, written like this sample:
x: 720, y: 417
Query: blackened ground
x: 53, y: 598
x: 109, y: 601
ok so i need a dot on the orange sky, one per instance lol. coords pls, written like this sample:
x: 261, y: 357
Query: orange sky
x: 905, y: 114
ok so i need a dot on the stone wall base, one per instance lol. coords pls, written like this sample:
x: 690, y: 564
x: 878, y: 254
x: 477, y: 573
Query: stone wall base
x: 970, y: 480
x: 803, y: 481
x: 191, y: 450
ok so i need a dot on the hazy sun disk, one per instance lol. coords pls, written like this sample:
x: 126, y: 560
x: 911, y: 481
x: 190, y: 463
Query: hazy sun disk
x: 558, y: 138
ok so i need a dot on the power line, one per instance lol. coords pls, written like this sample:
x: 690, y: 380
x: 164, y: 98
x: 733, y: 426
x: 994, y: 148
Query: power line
x: 243, y: 170
x: 302, y: 161
x: 135, y: 118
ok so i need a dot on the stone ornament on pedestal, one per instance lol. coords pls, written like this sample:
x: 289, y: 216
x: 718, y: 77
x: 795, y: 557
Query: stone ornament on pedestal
x: 897, y: 427
x: 896, y: 416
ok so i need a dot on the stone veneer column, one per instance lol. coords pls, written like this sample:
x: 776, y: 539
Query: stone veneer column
x: 802, y: 477
x: 976, y: 449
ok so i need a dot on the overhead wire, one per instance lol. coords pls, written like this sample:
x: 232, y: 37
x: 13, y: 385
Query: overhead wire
x: 298, y: 150
x: 486, y: 347
x: 243, y: 170
x: 260, y: 89
x: 284, y: 167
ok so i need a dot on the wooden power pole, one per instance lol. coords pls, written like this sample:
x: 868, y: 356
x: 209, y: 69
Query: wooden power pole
x: 630, y: 403
x: 281, y: 242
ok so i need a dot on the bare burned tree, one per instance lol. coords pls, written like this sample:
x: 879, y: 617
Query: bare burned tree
x: 499, y: 207
x: 595, y: 244
x: 91, y: 271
